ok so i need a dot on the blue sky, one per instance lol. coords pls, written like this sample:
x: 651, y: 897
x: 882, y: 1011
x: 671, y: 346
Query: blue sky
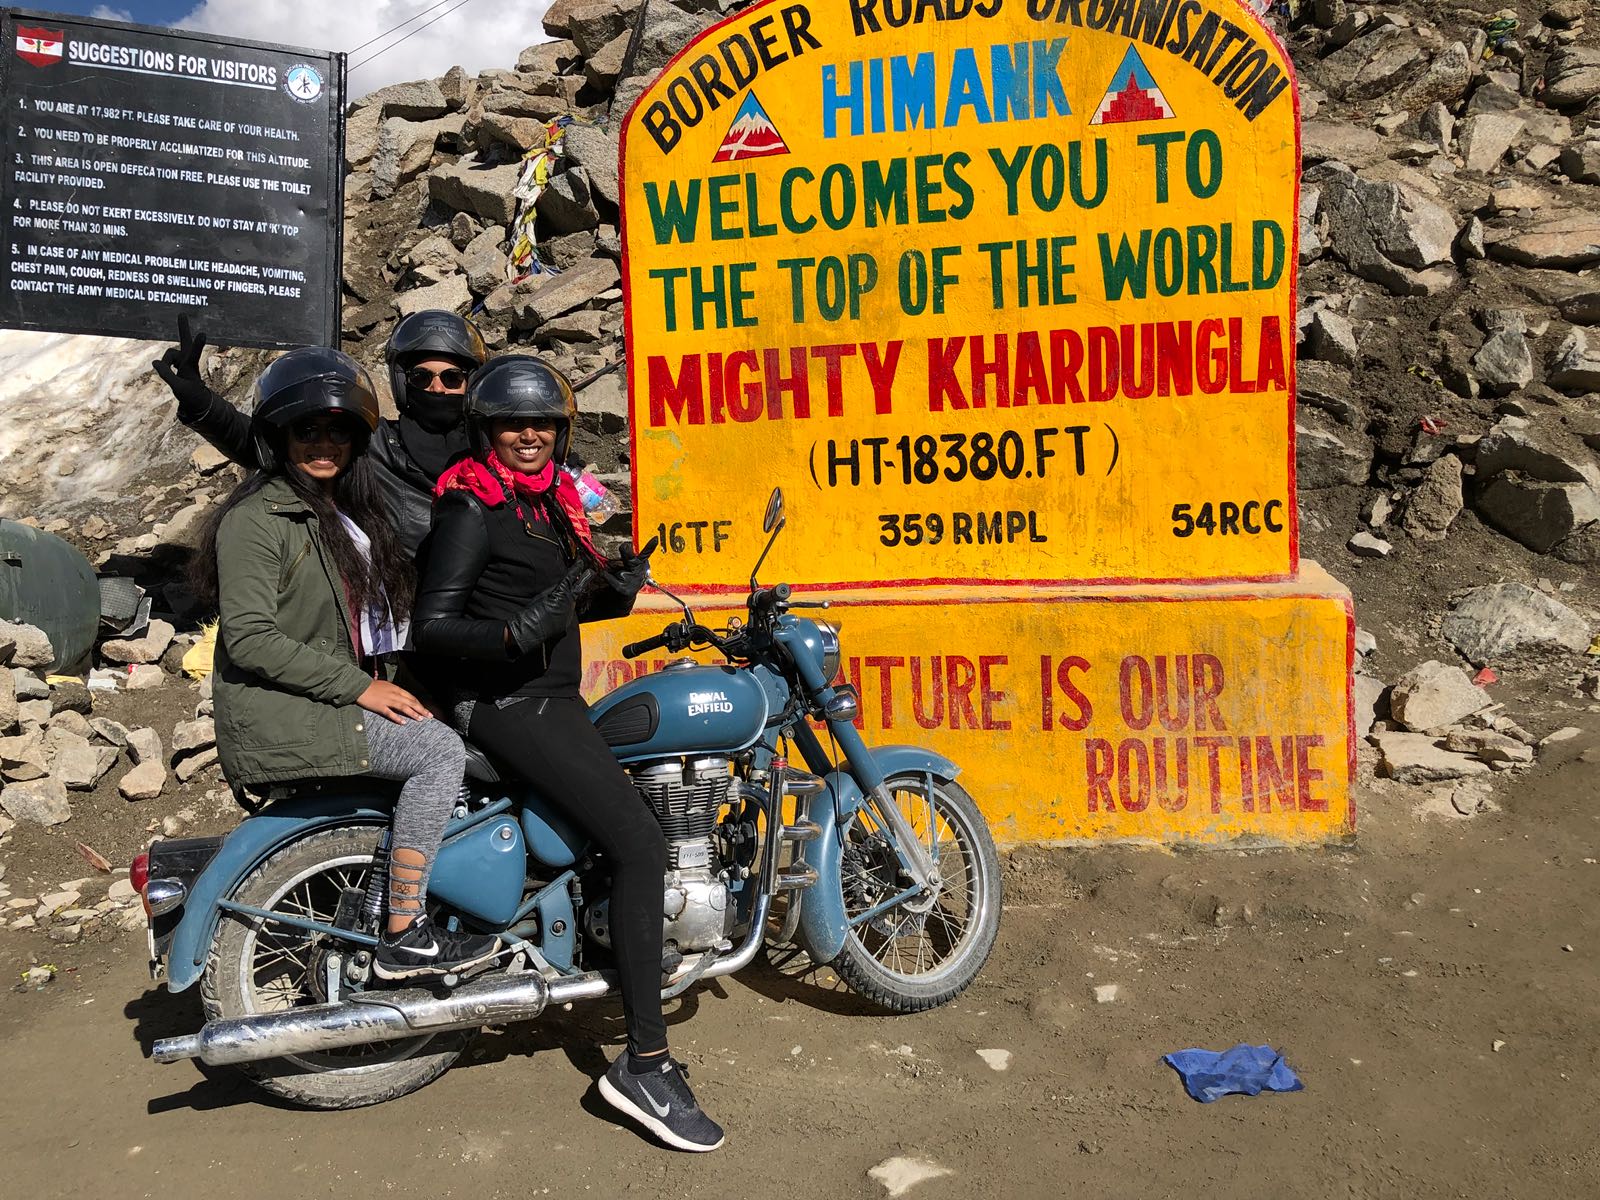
x: 150, y: 12
x: 478, y: 34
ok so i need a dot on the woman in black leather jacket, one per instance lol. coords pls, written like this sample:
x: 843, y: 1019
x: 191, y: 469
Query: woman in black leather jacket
x: 509, y: 572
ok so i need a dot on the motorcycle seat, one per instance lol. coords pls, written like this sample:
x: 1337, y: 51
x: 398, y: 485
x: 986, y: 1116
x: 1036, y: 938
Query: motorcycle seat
x: 479, y: 767
x: 304, y: 789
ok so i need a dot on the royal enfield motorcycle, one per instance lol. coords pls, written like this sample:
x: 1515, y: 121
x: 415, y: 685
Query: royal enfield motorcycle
x: 872, y: 860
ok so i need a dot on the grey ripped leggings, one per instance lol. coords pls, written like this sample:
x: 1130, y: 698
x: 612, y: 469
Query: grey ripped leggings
x: 428, y: 759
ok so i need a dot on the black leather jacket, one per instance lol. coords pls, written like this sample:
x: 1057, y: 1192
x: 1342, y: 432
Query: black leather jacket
x: 407, y: 489
x: 499, y: 605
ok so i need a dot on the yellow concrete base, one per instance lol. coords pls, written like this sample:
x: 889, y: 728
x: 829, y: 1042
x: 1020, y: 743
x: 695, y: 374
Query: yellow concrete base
x: 1212, y: 714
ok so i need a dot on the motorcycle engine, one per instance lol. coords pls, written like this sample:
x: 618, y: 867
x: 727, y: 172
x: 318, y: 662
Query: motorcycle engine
x: 687, y: 797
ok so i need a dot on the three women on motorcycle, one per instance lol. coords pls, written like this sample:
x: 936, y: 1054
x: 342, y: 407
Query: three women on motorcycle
x: 310, y: 561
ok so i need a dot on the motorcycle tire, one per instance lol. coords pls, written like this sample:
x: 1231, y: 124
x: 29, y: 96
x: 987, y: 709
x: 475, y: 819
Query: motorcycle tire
x: 861, y: 963
x: 302, y: 874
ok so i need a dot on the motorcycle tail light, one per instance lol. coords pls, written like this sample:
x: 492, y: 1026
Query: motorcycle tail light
x: 139, y: 873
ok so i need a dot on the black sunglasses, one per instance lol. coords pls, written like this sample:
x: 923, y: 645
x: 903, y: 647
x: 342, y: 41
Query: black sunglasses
x: 453, y: 378
x: 309, y: 430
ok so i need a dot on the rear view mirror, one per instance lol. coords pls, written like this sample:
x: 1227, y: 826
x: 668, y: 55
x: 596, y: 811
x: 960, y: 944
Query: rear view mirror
x: 771, y: 523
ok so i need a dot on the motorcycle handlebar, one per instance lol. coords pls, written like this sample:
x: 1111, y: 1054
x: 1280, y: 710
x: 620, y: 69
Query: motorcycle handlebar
x: 676, y: 637
x: 767, y: 599
x: 634, y: 649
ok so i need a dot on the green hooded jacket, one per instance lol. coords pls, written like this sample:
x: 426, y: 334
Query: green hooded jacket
x: 286, y: 679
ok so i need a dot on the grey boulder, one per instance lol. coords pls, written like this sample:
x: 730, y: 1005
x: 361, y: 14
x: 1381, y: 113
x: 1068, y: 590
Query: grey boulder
x: 1418, y: 758
x: 1576, y: 368
x: 1436, y: 503
x: 472, y: 185
x: 1572, y: 76
x: 1389, y: 233
x: 1545, y: 517
x: 38, y: 801
x: 1434, y: 695
x: 1491, y: 622
x: 30, y: 645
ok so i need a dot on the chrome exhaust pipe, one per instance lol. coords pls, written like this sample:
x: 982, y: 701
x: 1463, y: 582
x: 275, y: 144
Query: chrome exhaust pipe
x: 383, y: 1016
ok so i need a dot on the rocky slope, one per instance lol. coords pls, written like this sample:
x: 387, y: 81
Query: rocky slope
x: 1449, y: 379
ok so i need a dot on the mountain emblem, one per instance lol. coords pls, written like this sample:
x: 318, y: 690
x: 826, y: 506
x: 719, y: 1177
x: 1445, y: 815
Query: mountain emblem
x: 752, y: 134
x: 1132, y: 96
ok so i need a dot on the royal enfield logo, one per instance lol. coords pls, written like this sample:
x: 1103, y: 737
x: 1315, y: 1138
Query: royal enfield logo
x: 41, y: 47
x: 304, y: 83
x: 701, y: 703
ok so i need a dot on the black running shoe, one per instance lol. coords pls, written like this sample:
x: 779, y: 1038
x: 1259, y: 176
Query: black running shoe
x: 662, y: 1102
x: 422, y: 948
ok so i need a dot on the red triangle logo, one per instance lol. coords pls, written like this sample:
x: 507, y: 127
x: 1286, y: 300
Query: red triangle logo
x: 1133, y: 95
x: 752, y: 134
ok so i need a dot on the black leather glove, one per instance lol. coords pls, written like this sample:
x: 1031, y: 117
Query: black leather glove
x: 179, y: 369
x: 628, y: 572
x: 624, y: 577
x: 552, y: 611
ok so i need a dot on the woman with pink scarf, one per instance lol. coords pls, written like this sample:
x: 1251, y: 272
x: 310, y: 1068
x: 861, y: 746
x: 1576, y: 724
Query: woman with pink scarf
x: 510, y: 572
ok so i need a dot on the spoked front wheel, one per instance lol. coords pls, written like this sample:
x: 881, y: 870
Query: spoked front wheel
x: 924, y: 950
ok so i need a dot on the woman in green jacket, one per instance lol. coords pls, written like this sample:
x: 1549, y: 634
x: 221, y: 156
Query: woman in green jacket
x: 314, y: 592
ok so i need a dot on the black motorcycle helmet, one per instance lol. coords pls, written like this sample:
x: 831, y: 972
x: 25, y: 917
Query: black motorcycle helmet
x: 520, y: 387
x: 431, y: 334
x: 304, y: 382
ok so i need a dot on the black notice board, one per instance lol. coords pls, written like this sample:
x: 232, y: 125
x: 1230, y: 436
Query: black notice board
x: 149, y: 173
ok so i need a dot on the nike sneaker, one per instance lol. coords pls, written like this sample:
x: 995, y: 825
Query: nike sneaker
x: 661, y: 1101
x: 422, y: 948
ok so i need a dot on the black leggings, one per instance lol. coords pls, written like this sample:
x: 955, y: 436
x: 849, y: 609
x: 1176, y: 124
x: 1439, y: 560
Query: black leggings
x: 553, y: 744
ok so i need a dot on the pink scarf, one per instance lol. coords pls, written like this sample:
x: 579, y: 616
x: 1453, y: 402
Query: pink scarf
x: 491, y: 481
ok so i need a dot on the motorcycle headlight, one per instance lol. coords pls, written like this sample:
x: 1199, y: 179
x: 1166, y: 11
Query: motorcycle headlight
x: 830, y: 650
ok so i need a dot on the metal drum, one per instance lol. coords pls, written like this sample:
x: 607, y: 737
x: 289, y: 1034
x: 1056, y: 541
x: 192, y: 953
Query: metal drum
x: 46, y: 583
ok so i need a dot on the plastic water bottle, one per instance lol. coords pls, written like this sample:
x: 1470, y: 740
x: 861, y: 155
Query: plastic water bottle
x: 599, y: 505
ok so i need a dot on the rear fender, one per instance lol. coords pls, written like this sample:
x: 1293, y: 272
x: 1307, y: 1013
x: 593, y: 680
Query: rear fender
x: 245, y: 849
x: 822, y: 918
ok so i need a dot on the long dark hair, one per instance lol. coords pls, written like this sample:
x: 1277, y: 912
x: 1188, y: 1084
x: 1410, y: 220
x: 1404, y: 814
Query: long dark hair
x: 390, y: 573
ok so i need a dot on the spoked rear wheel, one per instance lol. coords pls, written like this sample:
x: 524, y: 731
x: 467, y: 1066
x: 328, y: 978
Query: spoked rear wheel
x: 257, y: 966
x: 925, y: 950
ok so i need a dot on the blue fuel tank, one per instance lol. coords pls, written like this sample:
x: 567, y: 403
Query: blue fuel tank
x: 684, y: 709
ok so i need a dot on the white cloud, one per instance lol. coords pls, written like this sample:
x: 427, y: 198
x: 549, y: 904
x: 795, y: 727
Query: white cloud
x: 105, y: 12
x: 483, y: 33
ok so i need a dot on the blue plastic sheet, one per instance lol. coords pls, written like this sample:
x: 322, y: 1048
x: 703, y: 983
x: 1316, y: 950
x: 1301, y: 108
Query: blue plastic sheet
x: 1245, y: 1070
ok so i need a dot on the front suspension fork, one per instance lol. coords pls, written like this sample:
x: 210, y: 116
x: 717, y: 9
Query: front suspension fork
x: 914, y: 856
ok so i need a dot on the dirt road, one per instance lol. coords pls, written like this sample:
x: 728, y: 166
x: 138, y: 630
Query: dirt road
x: 1386, y: 972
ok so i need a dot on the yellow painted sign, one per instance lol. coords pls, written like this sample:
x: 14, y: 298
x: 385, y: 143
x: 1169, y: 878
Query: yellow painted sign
x: 1098, y: 714
x: 997, y: 290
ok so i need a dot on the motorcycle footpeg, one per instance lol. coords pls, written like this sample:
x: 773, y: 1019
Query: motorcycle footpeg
x: 802, y: 783
x: 466, y: 974
x: 795, y: 876
x: 801, y: 832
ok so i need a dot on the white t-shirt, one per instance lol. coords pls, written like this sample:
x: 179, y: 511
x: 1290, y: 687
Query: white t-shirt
x: 379, y: 633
